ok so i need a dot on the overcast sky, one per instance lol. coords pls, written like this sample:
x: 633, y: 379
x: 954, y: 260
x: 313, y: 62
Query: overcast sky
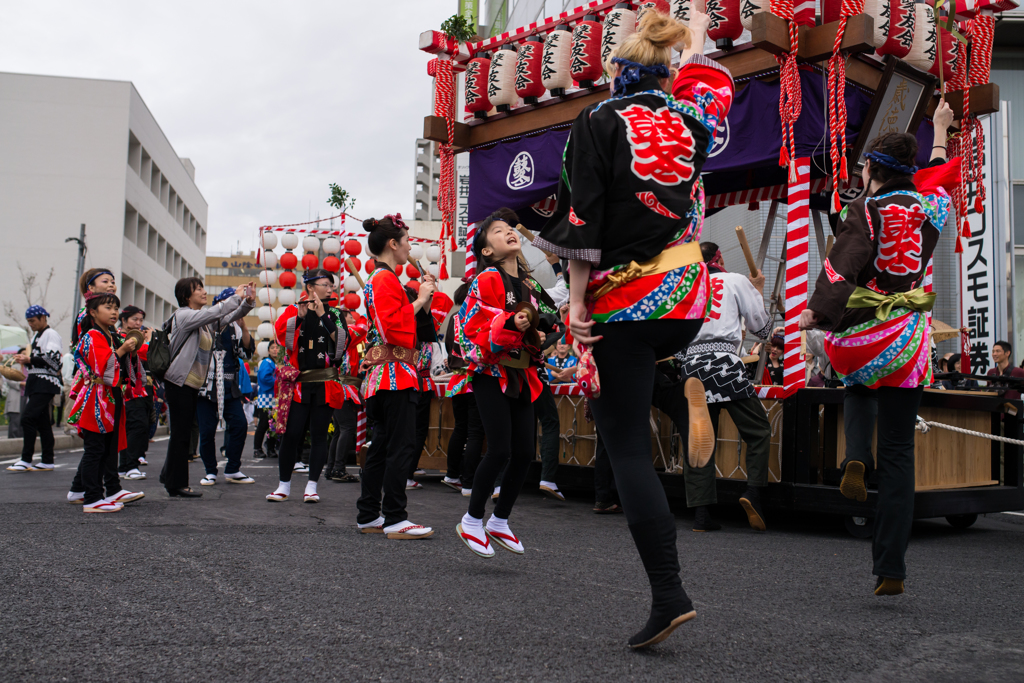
x: 270, y: 100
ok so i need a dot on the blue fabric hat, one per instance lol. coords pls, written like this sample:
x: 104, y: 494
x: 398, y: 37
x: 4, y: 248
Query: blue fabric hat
x: 34, y: 311
x: 225, y: 294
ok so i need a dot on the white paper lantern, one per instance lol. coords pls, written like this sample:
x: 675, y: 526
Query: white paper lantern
x: 366, y: 250
x: 433, y: 253
x: 266, y: 295
x: 263, y: 348
x: 266, y: 314
x: 286, y: 297
x: 750, y: 8
x: 352, y: 284
x: 311, y: 243
x: 269, y: 240
x: 268, y: 277
x: 433, y: 269
x: 878, y: 10
x: 922, y: 52
x: 331, y: 246
x: 270, y: 259
x: 501, y: 90
x: 265, y: 330
x: 289, y: 240
x: 554, y: 73
x: 619, y: 24
x: 416, y: 253
x: 680, y: 10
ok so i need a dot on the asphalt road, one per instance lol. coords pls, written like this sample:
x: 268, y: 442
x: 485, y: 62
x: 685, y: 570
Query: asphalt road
x: 232, y: 588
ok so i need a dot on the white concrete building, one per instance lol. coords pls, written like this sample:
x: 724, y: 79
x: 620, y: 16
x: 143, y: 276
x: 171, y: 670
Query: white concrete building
x: 73, y: 151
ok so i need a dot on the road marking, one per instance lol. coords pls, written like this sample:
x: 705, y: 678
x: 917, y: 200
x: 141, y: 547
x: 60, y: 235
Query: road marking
x: 1015, y: 514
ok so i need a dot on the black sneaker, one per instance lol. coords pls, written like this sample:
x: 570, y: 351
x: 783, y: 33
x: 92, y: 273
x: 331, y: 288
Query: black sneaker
x: 751, y: 503
x: 259, y: 454
x: 607, y: 508
x: 702, y: 520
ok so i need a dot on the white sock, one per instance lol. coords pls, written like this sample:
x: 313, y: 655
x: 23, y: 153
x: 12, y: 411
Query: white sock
x: 470, y: 521
x: 496, y: 523
x: 284, y: 487
x: 235, y: 475
x: 310, y: 488
x: 410, y: 482
x: 550, y: 484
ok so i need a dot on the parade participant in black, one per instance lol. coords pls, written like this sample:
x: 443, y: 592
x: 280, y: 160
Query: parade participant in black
x: 43, y: 382
x: 138, y: 405
x: 495, y: 330
x: 346, y: 418
x: 221, y: 397
x: 392, y: 383
x: 426, y: 336
x: 737, y: 307
x: 628, y: 218
x: 870, y: 298
x: 265, y: 403
x: 315, y: 345
x: 466, y: 441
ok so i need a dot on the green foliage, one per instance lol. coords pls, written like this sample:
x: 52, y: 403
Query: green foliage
x: 458, y: 27
x: 341, y: 199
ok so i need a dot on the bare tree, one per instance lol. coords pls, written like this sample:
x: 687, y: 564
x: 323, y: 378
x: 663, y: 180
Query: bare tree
x: 35, y: 290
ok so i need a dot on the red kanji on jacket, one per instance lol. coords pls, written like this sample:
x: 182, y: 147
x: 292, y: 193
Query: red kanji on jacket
x: 661, y: 144
x: 899, y: 245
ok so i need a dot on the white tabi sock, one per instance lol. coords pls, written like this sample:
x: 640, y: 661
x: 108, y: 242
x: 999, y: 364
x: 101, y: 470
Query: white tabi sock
x: 496, y: 523
x: 284, y: 487
x: 310, y: 488
x: 468, y: 521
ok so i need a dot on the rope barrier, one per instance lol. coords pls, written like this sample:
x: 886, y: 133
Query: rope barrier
x: 923, y: 426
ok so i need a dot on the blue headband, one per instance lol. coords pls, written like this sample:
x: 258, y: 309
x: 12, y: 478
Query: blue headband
x: 312, y: 276
x: 224, y: 294
x: 632, y: 72
x: 102, y: 272
x: 891, y: 163
x: 34, y: 311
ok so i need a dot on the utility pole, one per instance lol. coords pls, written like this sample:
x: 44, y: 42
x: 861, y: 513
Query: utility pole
x: 81, y: 266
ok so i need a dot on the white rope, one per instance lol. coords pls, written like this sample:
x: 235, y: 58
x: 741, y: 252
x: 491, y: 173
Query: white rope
x: 923, y: 426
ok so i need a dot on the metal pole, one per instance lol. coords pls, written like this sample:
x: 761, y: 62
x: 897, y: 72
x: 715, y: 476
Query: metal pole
x: 81, y: 266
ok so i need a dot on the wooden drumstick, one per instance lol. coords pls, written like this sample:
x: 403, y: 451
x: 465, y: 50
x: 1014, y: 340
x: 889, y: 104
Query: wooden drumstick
x: 525, y: 232
x: 828, y: 244
x: 355, y: 271
x: 747, y: 254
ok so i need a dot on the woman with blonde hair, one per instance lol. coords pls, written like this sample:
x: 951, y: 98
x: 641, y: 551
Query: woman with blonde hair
x: 629, y: 214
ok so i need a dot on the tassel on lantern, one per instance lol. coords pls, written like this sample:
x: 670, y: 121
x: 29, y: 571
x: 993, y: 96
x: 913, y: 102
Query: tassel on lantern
x: 836, y: 204
x: 477, y: 72
x: 501, y: 79
x: 725, y: 26
x: 585, y: 55
x: 528, y: 82
x: 555, y: 66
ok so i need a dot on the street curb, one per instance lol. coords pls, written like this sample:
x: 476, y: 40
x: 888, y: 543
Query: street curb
x: 61, y: 442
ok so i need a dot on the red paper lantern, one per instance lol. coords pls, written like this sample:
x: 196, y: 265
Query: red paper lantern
x: 585, y: 55
x: 477, y: 101
x: 900, y: 29
x: 412, y: 271
x: 414, y: 285
x: 371, y: 266
x: 289, y: 260
x: 332, y: 263
x: 286, y: 279
x: 310, y: 261
x: 356, y: 264
x: 352, y: 301
x: 725, y: 24
x: 946, y: 51
x: 353, y: 248
x: 398, y: 269
x: 529, y: 84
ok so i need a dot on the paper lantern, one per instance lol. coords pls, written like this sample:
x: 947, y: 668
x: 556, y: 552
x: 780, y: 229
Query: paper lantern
x: 263, y: 348
x: 331, y: 245
x: 411, y: 271
x: 270, y: 259
x: 554, y: 72
x: 398, y: 269
x: 619, y: 24
x: 352, y: 284
x: 477, y: 71
x: 289, y: 240
x: 501, y: 78
x: 900, y: 18
x: 269, y: 240
x: 266, y: 313
x: 680, y: 10
x: 332, y: 264
x: 311, y: 243
x: 878, y: 10
x: 528, y: 82
x: 265, y: 330
x: 645, y: 7
x: 287, y: 281
x: 287, y: 296
x: 289, y: 260
x: 266, y: 295
x: 585, y: 55
x: 414, y: 285
x: 750, y: 8
x: 310, y: 261
x: 433, y: 253
x: 922, y: 52
x: 356, y: 263
x: 371, y: 265
x: 946, y: 54
x: 353, y: 247
x: 725, y: 24
x: 416, y: 252
x: 352, y: 301
x: 433, y: 269
x: 267, y: 277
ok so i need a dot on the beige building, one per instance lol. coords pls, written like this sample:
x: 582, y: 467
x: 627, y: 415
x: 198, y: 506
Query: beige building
x: 223, y: 272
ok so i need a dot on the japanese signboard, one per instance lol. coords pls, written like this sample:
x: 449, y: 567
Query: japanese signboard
x: 462, y: 205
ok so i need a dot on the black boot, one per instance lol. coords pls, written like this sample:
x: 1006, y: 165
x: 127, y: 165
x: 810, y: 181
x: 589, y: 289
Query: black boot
x: 656, y: 542
x: 702, y: 520
x: 750, y: 501
x: 258, y: 454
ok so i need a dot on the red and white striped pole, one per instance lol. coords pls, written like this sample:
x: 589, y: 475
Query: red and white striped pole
x: 797, y: 233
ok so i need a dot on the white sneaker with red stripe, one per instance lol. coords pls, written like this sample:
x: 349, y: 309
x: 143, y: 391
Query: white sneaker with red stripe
x: 476, y: 540
x: 125, y: 496
x: 102, y: 505
x: 499, y: 532
x: 408, y: 531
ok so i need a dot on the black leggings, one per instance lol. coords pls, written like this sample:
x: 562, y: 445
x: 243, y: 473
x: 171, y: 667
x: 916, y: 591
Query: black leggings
x: 466, y: 441
x: 510, y: 427
x: 344, y: 441
x: 625, y: 360
x: 97, y: 470
x: 300, y: 416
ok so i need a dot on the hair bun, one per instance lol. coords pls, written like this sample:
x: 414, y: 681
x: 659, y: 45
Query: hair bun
x: 369, y: 224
